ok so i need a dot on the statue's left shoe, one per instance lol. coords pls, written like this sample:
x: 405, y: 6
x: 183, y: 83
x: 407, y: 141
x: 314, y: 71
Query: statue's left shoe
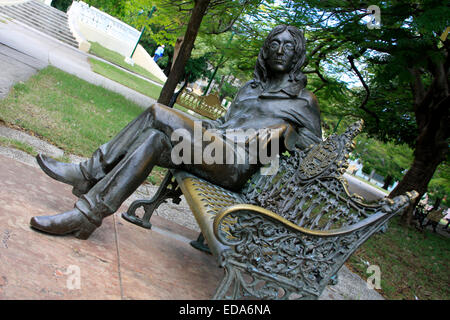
x: 65, y: 172
x: 72, y: 221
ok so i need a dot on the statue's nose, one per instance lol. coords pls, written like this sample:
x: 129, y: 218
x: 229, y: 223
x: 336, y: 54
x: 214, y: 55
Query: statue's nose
x: 280, y: 49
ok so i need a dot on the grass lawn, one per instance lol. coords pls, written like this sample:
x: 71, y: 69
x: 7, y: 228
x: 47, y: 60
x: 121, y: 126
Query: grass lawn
x: 69, y: 112
x: 78, y: 117
x: 116, y: 58
x: 412, y: 263
x: 19, y: 145
x: 129, y: 80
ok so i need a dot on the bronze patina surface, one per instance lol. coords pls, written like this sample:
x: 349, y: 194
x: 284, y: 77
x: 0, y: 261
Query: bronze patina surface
x: 275, y: 99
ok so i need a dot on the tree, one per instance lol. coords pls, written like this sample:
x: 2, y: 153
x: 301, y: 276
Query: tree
x: 405, y: 55
x: 168, y: 25
x: 220, y: 17
x: 227, y: 90
x: 185, y: 51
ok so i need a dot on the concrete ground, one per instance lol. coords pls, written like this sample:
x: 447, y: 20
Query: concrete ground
x: 134, y: 263
x: 119, y: 260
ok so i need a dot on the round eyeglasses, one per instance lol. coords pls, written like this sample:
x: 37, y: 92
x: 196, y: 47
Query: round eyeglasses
x: 287, y: 47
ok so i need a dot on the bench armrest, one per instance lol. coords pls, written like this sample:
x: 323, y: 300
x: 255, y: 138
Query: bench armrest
x: 391, y: 207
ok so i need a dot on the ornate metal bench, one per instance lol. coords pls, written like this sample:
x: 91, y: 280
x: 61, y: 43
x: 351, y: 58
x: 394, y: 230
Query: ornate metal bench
x: 284, y: 236
x: 208, y: 106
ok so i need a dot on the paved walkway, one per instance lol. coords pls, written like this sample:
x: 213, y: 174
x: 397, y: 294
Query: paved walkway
x: 42, y: 48
x: 120, y: 260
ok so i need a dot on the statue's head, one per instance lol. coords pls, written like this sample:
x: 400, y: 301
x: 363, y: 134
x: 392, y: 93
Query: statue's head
x: 283, y: 51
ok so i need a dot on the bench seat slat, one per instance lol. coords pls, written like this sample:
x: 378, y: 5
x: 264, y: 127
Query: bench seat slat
x: 206, y: 202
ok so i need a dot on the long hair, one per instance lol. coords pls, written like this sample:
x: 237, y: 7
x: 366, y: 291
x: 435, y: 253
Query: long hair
x: 295, y: 74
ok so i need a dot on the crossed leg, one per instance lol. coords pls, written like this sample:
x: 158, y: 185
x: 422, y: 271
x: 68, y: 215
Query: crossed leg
x: 115, y: 171
x: 117, y: 168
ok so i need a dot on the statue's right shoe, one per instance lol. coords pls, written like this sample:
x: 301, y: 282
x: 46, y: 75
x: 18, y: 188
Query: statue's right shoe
x: 65, y: 172
x: 72, y: 221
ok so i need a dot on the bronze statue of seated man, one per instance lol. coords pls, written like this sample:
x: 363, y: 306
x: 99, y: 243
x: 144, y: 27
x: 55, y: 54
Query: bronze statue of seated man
x: 275, y: 99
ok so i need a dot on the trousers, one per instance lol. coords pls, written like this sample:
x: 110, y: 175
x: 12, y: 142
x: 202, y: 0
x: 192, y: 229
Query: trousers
x: 117, y: 168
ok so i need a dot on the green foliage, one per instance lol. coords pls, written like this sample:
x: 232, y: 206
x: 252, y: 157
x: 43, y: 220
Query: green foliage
x: 393, y: 106
x: 228, y: 90
x: 151, y: 45
x: 387, y: 159
x: 116, y: 8
x: 62, y: 5
x: 196, y: 68
x: 439, y: 186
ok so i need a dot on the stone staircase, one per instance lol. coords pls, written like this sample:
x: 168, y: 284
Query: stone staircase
x: 42, y: 17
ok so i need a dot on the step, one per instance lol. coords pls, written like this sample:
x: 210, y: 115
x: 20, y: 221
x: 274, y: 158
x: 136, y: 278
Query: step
x: 37, y: 17
x: 58, y: 29
x: 44, y: 13
x: 48, y: 8
x: 45, y: 10
x: 48, y: 11
x: 60, y: 26
x: 43, y: 27
x: 51, y: 18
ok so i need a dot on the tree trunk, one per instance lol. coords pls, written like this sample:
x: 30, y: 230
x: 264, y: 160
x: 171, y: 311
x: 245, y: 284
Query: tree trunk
x: 185, y: 51
x: 176, y: 94
x: 176, y: 49
x: 430, y: 150
x: 432, y: 117
x: 168, y: 67
x: 387, y: 182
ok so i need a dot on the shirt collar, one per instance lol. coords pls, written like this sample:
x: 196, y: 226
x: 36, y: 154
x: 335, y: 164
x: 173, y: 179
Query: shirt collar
x: 289, y: 89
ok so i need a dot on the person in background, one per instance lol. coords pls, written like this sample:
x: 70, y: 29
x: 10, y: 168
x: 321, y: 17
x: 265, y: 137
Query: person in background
x: 159, y: 53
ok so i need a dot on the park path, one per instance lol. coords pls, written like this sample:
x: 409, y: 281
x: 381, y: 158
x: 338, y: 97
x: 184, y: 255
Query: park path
x: 131, y: 260
x: 48, y: 51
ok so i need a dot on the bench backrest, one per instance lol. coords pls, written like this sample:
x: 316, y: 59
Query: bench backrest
x: 208, y: 106
x: 309, y: 189
x: 308, y: 225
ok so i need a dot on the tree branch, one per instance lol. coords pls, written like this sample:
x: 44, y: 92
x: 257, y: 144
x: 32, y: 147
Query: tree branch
x: 319, y: 88
x: 366, y: 87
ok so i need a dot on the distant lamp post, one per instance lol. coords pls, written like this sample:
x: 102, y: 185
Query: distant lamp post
x: 129, y: 59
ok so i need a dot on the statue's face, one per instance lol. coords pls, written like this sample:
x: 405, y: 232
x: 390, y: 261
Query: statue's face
x: 281, y: 52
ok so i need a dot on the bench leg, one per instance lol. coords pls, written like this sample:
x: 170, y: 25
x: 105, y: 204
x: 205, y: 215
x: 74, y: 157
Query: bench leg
x: 167, y: 190
x: 224, y: 286
x: 239, y: 284
x: 200, y: 244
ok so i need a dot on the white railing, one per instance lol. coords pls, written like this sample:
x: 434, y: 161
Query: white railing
x: 93, y: 23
